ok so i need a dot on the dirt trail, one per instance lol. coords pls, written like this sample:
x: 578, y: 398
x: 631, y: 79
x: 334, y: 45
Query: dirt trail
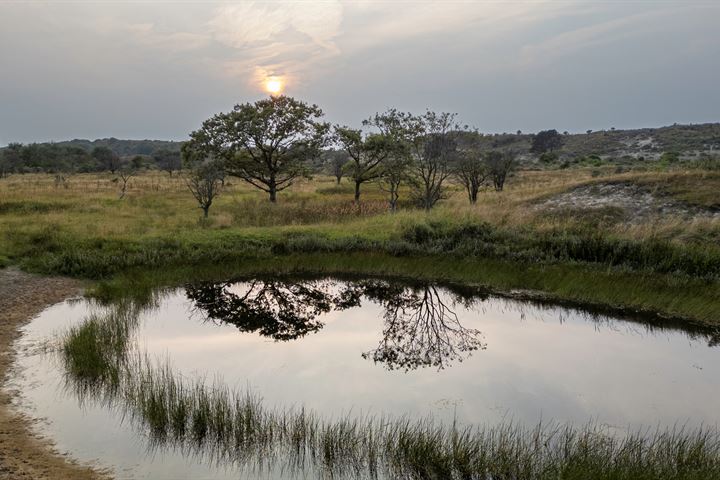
x: 23, y: 454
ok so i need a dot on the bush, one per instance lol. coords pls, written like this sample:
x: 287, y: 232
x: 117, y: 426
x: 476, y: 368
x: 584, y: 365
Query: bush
x: 549, y: 157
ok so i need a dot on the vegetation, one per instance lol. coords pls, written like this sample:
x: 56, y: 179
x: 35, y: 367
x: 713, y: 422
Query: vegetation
x: 210, y: 420
x: 546, y: 141
x: 267, y: 144
x: 667, y: 264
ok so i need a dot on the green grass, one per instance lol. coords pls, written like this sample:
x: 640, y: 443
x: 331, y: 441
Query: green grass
x: 211, y: 420
x: 668, y: 265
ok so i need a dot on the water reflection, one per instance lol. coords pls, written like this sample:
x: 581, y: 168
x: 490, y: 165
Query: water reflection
x: 421, y: 328
x: 281, y: 310
x: 544, y: 362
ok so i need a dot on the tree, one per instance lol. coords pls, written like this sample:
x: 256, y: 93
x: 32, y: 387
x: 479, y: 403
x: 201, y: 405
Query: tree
x: 267, y: 144
x: 336, y: 161
x: 433, y: 147
x: 12, y: 156
x: 4, y: 165
x: 167, y: 160
x: 366, y: 152
x: 138, y: 162
x: 205, y: 183
x: 393, y: 125
x: 546, y: 141
x: 125, y: 173
x: 470, y: 168
x: 499, y: 165
x: 472, y: 172
x: 106, y: 158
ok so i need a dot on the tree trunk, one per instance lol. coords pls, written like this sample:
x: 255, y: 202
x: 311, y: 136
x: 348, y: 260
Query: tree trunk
x: 357, y: 191
x: 473, y: 194
x: 206, y: 210
x: 272, y: 189
x: 338, y: 179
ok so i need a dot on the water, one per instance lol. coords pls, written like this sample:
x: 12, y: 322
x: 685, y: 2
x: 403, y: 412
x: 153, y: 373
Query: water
x: 372, y: 347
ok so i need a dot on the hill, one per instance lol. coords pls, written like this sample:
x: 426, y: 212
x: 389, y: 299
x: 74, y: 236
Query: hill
x: 124, y: 148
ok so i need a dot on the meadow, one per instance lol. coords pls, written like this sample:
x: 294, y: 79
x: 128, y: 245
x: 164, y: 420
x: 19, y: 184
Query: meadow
x: 156, y: 234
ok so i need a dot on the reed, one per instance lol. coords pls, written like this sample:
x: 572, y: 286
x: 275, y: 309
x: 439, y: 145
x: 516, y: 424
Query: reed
x: 207, y: 419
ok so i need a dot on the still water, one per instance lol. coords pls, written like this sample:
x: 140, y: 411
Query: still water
x: 379, y: 347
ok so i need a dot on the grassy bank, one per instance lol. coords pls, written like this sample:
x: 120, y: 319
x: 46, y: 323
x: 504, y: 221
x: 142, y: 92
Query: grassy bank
x: 667, y: 264
x: 212, y: 421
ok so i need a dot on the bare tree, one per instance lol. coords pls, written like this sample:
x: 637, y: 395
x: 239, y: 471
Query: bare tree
x: 336, y: 161
x: 499, y: 164
x: 433, y: 146
x: 125, y: 173
x: 205, y: 183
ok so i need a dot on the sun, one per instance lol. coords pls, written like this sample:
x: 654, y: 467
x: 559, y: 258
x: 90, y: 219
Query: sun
x: 274, y: 85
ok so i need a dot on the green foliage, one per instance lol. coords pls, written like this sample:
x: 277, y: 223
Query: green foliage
x: 268, y: 144
x: 668, y: 158
x: 548, y: 157
x: 546, y: 141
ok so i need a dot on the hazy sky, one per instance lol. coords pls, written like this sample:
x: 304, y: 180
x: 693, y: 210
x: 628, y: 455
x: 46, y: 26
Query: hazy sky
x: 142, y: 69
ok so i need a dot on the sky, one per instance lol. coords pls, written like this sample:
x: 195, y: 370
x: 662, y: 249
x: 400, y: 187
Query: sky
x: 157, y: 69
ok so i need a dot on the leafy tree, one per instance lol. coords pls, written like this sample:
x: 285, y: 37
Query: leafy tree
x: 366, y: 152
x: 546, y: 141
x: 470, y: 168
x: 267, y: 144
x: 670, y: 157
x: 106, y: 158
x: 393, y: 126
x: 13, y: 157
x: 168, y: 160
x: 499, y: 165
x: 138, y: 162
x: 548, y: 157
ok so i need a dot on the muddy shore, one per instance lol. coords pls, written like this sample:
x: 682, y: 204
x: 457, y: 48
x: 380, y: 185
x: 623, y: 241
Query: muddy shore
x: 23, y: 453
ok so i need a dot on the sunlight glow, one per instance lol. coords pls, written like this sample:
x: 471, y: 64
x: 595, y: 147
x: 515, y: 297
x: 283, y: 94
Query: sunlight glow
x: 274, y: 85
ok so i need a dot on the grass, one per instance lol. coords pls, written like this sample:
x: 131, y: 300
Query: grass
x: 210, y: 420
x: 670, y: 265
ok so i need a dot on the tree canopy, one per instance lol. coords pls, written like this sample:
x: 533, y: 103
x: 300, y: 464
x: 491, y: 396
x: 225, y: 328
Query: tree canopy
x: 267, y: 143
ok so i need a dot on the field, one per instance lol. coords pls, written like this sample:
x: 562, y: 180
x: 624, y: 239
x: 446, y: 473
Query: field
x: 638, y: 244
x: 667, y: 263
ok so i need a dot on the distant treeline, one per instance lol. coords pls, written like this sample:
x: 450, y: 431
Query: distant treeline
x: 78, y: 156
x: 83, y: 156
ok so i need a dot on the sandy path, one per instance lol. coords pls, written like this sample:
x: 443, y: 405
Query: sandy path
x: 24, y: 455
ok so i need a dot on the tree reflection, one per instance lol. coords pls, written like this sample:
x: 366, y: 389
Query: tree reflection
x: 421, y: 329
x: 281, y: 310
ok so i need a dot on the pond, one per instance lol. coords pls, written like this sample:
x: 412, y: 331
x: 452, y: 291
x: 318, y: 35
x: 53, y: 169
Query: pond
x: 366, y: 349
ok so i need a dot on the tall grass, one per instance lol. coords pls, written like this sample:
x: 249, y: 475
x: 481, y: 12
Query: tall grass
x: 85, y: 231
x: 212, y: 421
